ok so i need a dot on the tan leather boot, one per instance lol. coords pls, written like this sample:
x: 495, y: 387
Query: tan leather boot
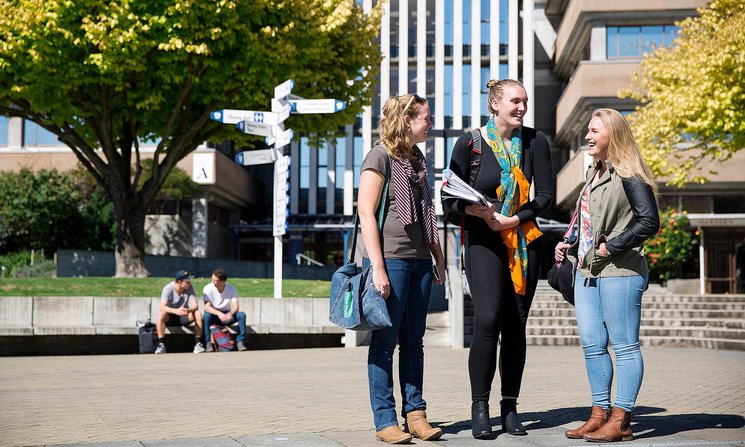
x: 597, y: 419
x: 417, y: 425
x: 618, y: 428
x: 393, y: 435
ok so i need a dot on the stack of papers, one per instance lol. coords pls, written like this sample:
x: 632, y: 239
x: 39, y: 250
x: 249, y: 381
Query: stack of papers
x: 454, y: 187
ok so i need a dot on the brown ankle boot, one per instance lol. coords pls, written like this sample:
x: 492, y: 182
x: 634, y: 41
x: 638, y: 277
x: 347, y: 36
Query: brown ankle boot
x: 417, y: 425
x: 393, y: 435
x: 598, y: 417
x: 618, y: 428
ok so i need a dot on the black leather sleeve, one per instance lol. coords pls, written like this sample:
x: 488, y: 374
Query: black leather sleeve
x: 647, y: 217
x: 459, y: 164
x: 543, y: 180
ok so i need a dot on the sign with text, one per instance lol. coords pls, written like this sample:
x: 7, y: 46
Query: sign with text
x: 234, y: 116
x: 279, y: 221
x: 305, y: 106
x: 203, y: 168
x: 283, y: 89
x: 258, y: 157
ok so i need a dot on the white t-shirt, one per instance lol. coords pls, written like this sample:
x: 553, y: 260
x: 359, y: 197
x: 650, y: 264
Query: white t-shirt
x: 220, y: 301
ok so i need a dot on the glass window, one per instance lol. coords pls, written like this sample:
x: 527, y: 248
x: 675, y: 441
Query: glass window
x: 357, y: 161
x: 3, y: 130
x: 341, y: 161
x: 304, y: 164
x: 628, y: 41
x: 653, y: 37
x: 35, y: 135
x: 448, y: 90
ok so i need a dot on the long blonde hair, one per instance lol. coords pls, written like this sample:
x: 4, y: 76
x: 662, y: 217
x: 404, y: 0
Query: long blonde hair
x: 496, y: 91
x: 623, y: 153
x: 393, y: 134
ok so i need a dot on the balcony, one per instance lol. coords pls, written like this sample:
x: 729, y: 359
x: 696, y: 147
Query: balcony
x: 593, y: 85
x: 580, y: 16
x: 724, y: 177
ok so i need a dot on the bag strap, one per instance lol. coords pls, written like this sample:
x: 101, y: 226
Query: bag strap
x: 474, y: 164
x: 381, y: 213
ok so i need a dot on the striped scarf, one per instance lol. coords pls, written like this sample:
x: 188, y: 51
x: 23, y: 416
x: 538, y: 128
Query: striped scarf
x: 406, y: 174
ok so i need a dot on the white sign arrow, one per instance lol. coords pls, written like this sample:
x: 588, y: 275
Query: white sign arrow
x: 233, y: 116
x: 283, y: 89
x: 263, y: 129
x: 317, y: 105
x: 281, y: 140
x: 259, y: 157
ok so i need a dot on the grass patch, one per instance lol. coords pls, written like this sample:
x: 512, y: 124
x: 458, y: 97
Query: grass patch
x: 116, y: 287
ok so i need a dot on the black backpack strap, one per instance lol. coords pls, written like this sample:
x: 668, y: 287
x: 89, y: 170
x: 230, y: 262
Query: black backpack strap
x: 474, y: 157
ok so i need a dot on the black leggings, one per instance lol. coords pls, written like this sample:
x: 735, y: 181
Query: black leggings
x: 498, y: 310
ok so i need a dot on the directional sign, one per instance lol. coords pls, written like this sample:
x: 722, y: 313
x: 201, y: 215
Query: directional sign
x: 280, y: 195
x: 232, y: 116
x: 282, y: 139
x: 263, y: 129
x: 283, y: 89
x: 259, y: 157
x: 317, y: 105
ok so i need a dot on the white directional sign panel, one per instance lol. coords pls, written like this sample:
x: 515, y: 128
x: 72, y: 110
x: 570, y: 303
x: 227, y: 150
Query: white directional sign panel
x: 280, y: 195
x: 203, y: 168
x: 282, y: 139
x: 233, y: 116
x: 317, y: 105
x: 259, y: 157
x: 263, y: 129
x: 283, y: 89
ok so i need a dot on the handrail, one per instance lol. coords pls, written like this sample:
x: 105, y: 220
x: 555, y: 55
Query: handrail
x: 300, y: 257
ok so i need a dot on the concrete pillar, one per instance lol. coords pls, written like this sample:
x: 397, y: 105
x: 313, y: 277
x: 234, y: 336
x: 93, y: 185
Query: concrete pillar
x: 528, y: 59
x: 295, y: 176
x: 199, y: 227
x: 476, y: 64
x: 403, y: 47
x: 457, y: 64
x: 349, y: 170
x: 313, y: 181
x: 331, y: 176
x: 15, y: 132
x: 494, y: 39
x: 512, y: 39
x: 439, y: 85
x: 385, y: 62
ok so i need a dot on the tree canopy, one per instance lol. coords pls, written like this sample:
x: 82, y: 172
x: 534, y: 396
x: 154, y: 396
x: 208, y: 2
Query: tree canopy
x: 692, y: 94
x: 104, y: 76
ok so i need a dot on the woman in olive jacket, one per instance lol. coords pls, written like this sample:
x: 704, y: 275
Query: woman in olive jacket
x: 617, y: 212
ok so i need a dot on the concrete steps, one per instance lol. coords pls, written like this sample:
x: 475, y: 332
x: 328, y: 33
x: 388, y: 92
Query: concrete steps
x: 709, y: 321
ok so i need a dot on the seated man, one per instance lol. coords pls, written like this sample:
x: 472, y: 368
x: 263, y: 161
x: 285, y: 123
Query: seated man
x: 221, y: 307
x: 178, y: 306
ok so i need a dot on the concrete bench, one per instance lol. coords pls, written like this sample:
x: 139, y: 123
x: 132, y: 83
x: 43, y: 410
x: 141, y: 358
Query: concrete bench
x: 29, y: 316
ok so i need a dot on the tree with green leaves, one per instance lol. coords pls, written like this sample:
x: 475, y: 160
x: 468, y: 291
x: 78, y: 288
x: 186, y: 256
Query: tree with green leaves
x: 103, y: 76
x: 692, y: 95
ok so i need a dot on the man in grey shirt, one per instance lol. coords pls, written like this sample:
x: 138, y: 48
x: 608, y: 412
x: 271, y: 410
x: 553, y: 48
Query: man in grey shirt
x: 178, y: 306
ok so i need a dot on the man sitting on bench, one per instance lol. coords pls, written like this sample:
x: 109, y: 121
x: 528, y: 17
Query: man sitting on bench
x: 178, y: 306
x: 221, y: 308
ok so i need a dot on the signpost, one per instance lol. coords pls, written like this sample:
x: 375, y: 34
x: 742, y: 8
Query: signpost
x: 269, y: 124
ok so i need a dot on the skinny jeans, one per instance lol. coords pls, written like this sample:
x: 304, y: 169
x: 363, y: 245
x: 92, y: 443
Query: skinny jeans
x: 609, y: 309
x: 499, y: 311
x: 407, y: 303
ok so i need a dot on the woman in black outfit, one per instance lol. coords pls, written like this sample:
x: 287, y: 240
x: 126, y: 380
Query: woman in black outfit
x: 502, y: 257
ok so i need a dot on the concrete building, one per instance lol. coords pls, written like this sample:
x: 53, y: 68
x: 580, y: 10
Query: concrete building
x: 572, y: 56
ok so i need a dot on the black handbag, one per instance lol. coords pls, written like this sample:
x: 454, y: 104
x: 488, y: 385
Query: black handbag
x: 354, y: 302
x: 561, y: 274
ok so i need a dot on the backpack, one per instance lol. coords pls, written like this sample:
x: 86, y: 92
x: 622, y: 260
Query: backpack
x: 474, y: 165
x: 221, y: 338
x: 147, y: 337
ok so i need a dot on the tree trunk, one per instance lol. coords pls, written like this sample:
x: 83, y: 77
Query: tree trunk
x: 130, y: 240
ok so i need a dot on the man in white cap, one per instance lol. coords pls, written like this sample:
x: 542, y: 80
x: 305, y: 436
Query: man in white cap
x: 178, y: 306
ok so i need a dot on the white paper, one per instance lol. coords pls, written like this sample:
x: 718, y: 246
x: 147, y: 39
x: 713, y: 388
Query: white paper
x: 455, y: 186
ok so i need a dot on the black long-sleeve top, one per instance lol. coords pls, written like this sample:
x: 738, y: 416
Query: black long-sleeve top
x: 536, y: 165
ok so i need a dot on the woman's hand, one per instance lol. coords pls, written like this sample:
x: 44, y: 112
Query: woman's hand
x: 483, y: 211
x: 603, y: 249
x: 441, y: 270
x: 380, y: 282
x: 499, y: 222
x: 560, y: 251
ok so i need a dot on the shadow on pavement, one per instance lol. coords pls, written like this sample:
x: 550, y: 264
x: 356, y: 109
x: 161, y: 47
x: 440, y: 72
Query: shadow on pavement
x: 647, y: 422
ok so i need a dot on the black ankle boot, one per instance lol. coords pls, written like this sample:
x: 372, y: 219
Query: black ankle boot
x: 480, y: 423
x: 510, y: 422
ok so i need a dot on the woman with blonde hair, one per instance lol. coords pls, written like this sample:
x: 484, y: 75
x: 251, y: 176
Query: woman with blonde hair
x: 617, y: 212
x: 400, y: 252
x: 502, y: 254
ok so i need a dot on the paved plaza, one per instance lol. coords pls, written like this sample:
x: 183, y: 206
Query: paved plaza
x: 318, y: 397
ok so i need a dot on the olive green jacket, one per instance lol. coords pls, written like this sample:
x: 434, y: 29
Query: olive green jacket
x: 624, y: 214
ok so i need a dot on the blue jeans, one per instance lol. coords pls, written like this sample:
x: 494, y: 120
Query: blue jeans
x: 407, y: 303
x: 610, y: 309
x: 239, y: 316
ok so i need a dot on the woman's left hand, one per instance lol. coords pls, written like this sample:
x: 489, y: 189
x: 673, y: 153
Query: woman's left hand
x: 499, y: 222
x: 603, y: 249
x: 441, y: 270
